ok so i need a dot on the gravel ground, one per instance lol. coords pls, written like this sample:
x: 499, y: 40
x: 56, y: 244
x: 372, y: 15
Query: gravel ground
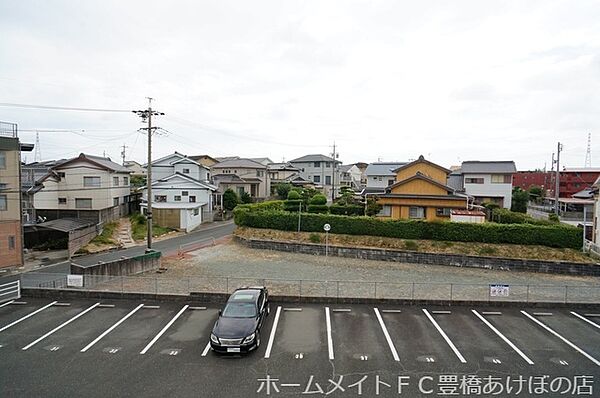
x: 229, y: 265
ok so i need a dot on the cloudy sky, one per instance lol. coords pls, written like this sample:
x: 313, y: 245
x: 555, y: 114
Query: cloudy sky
x: 384, y: 80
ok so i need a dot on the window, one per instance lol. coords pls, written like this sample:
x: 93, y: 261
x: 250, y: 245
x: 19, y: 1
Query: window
x: 2, y: 160
x: 125, y: 199
x: 177, y: 198
x: 317, y: 164
x: 196, y: 212
x: 115, y: 201
x: 327, y: 164
x: 3, y: 203
x: 116, y: 181
x: 184, y: 193
x: 386, y: 211
x: 62, y: 201
x: 186, y: 171
x: 160, y: 198
x: 416, y: 212
x: 443, y: 212
x: 259, y: 173
x: 474, y: 180
x: 391, y: 182
x: 11, y: 243
x: 317, y: 178
x: 501, y: 179
x: 3, y: 186
x: 83, y: 203
x: 125, y: 181
x: 193, y: 198
x: 379, y: 178
x: 327, y: 180
x: 91, y: 181
x: 61, y: 174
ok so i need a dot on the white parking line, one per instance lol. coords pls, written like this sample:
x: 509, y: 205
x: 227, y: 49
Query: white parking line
x: 110, y: 329
x: 391, y: 311
x: 329, y: 339
x: 585, y: 319
x: 585, y: 354
x: 542, y: 313
x: 441, y: 312
x: 7, y: 303
x: 592, y: 315
x: 341, y: 310
x: 450, y: 343
x: 28, y: 346
x: 387, y: 335
x: 206, y: 349
x: 27, y: 316
x: 152, y: 307
x: 293, y: 309
x: 106, y: 306
x: 491, y: 313
x: 273, y: 330
x: 506, y: 340
x: 168, y: 325
x: 196, y: 308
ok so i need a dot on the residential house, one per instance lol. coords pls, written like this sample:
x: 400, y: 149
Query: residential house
x: 182, y: 196
x: 322, y: 170
x: 350, y: 176
x: 420, y: 192
x: 596, y: 213
x: 86, y: 187
x: 485, y: 181
x: 379, y: 176
x: 135, y: 168
x: 31, y: 174
x: 242, y: 175
x: 204, y: 160
x: 11, y: 228
x: 362, y: 166
x: 263, y: 161
x: 285, y: 173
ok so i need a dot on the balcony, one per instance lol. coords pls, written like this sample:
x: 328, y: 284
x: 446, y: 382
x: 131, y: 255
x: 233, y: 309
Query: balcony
x: 8, y: 130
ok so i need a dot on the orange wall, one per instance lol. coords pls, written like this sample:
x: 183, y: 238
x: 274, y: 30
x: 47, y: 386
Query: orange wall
x: 14, y: 257
x: 432, y: 172
x: 419, y: 187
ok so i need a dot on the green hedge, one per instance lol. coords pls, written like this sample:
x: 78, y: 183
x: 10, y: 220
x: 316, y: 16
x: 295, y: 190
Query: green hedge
x: 525, y: 234
x: 349, y: 210
x: 271, y: 205
x: 505, y: 216
x: 323, y: 209
x: 292, y: 204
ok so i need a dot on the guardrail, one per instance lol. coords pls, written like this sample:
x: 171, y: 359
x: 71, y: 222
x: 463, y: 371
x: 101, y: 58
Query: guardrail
x: 10, y: 291
x: 591, y: 248
x: 524, y: 293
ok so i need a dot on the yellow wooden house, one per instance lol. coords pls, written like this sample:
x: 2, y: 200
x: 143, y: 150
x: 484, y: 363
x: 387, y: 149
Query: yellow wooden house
x: 420, y: 192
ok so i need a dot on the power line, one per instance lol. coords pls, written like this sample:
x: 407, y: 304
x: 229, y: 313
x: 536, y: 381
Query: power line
x: 61, y: 108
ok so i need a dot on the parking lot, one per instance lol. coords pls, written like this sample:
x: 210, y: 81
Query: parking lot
x: 130, y: 348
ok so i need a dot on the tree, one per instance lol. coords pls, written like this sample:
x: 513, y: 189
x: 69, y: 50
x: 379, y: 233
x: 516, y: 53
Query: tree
x: 346, y: 199
x: 138, y: 181
x: 536, y: 192
x: 230, y: 199
x: 318, y: 199
x: 293, y: 195
x: 519, y: 200
x: 245, y: 197
x: 372, y: 206
x: 283, y: 190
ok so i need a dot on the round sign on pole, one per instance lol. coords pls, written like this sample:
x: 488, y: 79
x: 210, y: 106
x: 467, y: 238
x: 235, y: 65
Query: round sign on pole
x: 327, y: 227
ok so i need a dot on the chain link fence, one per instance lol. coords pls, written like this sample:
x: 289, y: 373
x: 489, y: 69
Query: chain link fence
x: 589, y: 294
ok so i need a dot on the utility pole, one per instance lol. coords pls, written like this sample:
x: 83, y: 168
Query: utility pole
x: 557, y: 178
x: 123, y: 153
x: 146, y: 115
x: 333, y: 174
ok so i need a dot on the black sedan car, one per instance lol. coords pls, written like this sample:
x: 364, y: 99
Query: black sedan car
x: 238, y: 328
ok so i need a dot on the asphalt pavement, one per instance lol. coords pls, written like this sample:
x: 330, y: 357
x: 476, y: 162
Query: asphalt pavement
x: 99, y: 348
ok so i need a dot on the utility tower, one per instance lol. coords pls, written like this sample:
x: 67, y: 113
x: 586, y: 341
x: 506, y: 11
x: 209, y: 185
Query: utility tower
x: 123, y: 153
x: 588, y: 153
x: 37, y: 157
x: 146, y: 116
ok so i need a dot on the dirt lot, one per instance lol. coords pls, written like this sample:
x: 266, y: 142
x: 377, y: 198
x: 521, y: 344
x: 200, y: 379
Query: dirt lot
x: 429, y: 246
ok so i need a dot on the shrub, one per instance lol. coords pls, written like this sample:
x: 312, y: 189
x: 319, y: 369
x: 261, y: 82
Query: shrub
x: 293, y: 205
x: 318, y: 199
x: 230, y: 199
x: 293, y: 195
x: 314, y: 238
x: 505, y: 216
x: 318, y: 209
x: 552, y: 217
x: 349, y: 210
x: 245, y: 197
x: 525, y: 234
x: 411, y: 245
x: 372, y: 206
x: 283, y: 190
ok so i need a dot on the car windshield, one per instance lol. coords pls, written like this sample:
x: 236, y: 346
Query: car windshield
x: 239, y: 310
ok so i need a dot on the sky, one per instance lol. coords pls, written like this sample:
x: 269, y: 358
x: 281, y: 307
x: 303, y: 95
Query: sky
x: 384, y: 80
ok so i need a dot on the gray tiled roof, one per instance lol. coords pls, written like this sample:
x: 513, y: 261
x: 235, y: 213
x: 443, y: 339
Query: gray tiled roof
x: 241, y: 163
x: 313, y: 158
x: 383, y: 169
x: 472, y: 166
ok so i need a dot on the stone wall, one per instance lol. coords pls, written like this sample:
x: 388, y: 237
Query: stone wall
x: 455, y: 260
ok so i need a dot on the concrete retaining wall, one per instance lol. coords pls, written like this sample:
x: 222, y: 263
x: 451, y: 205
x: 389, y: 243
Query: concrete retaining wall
x: 455, y: 260
x: 122, y: 267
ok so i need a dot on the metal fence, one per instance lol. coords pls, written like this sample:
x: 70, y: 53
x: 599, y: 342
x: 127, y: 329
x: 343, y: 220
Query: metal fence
x: 591, y: 248
x: 10, y: 291
x: 323, y: 288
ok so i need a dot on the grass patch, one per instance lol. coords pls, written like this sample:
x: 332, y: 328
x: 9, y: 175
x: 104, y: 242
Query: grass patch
x: 411, y: 245
x: 139, y: 229
x: 106, y: 237
x: 314, y: 238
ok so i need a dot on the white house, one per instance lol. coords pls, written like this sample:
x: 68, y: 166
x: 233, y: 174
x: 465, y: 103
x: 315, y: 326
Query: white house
x: 182, y: 195
x: 350, y: 176
x: 242, y: 175
x: 87, y: 187
x: 380, y: 175
x: 322, y: 170
x: 486, y: 181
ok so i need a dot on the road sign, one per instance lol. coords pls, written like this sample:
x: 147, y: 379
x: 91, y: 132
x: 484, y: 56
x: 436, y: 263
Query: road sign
x: 74, y: 280
x: 327, y: 227
x: 499, y: 290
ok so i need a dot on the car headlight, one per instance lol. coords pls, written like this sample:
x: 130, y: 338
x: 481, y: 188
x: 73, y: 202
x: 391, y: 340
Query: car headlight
x: 249, y: 339
x: 214, y: 338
